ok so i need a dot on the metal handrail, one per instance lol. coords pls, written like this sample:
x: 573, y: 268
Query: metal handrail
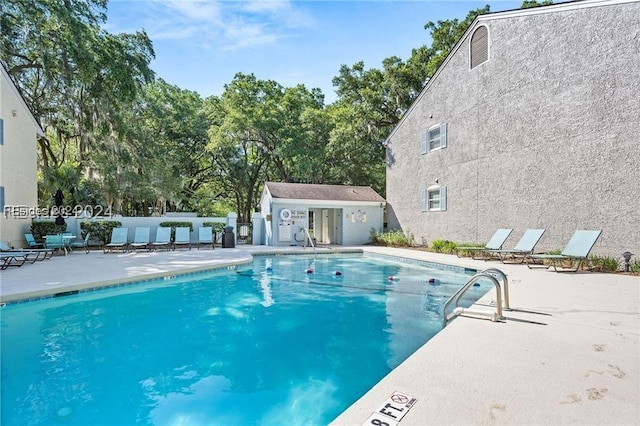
x: 490, y: 274
x: 505, y: 286
x: 308, y: 236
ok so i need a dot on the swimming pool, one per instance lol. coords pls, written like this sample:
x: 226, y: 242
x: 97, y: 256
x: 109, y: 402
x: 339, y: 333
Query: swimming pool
x: 284, y: 340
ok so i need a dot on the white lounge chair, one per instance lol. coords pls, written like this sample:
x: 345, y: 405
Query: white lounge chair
x: 495, y: 243
x: 577, y: 249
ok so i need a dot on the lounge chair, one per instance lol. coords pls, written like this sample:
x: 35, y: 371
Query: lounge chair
x: 577, y: 249
x: 523, y: 248
x: 12, y: 259
x: 81, y: 244
x: 24, y: 254
x: 183, y: 237
x: 118, y: 240
x: 495, y: 243
x: 163, y: 238
x: 141, y: 238
x: 205, y: 236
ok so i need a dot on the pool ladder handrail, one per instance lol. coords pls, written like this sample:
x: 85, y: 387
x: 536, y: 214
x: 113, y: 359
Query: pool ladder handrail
x: 501, y: 302
x: 308, y: 237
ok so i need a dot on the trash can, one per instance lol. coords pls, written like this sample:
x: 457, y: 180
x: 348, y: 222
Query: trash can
x: 228, y: 238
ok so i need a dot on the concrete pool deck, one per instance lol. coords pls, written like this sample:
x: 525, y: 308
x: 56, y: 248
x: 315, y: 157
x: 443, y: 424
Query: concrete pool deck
x: 567, y: 353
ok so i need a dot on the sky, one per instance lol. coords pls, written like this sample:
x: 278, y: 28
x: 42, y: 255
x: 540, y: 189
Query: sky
x: 201, y: 45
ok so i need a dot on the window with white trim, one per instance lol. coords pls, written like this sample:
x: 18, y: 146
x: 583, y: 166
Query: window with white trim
x: 434, y: 198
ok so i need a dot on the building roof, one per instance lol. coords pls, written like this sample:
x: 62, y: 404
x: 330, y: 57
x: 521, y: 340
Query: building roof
x: 307, y: 191
x: 18, y: 96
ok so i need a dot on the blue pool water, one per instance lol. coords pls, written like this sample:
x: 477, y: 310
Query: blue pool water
x: 266, y: 343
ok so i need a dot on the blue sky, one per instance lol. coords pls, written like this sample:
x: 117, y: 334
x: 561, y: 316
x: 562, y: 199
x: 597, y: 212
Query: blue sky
x: 201, y: 45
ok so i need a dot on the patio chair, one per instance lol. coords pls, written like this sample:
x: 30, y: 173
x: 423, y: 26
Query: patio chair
x: 577, y: 249
x: 495, y: 243
x: 118, y: 240
x: 523, y: 248
x: 205, y: 236
x: 31, y: 241
x: 55, y: 242
x: 163, y: 238
x: 141, y: 238
x: 81, y: 244
x: 183, y: 237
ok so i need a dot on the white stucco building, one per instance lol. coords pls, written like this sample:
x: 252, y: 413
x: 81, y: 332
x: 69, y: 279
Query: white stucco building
x: 333, y: 214
x: 19, y: 132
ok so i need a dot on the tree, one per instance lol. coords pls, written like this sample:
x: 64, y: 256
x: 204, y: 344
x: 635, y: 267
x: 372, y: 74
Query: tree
x: 263, y: 131
x: 74, y: 76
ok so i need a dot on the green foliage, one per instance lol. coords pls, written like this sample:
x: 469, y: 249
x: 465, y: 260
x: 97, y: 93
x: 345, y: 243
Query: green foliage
x: 100, y: 229
x: 392, y: 237
x: 173, y: 224
x: 634, y: 266
x: 466, y: 253
x: 443, y: 246
x: 177, y: 224
x: 603, y: 263
x: 40, y: 228
x: 218, y: 227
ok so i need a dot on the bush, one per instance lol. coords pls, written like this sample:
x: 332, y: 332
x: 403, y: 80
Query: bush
x: 634, y: 266
x: 40, y: 228
x: 603, y: 263
x: 100, y: 229
x: 176, y: 224
x: 443, y: 246
x: 392, y: 237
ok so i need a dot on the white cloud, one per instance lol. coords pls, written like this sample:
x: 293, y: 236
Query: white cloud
x: 224, y: 25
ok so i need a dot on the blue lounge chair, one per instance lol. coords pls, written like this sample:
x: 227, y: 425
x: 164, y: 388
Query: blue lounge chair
x: 495, y: 243
x: 523, y: 248
x: 163, y: 238
x: 577, y: 249
x: 118, y: 240
x: 141, y: 238
x: 17, y: 257
x: 205, y: 236
x: 12, y: 259
x: 183, y: 237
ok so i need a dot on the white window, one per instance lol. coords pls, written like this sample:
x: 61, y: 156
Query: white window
x: 434, y: 198
x: 434, y: 138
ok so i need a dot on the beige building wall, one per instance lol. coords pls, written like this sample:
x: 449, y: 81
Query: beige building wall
x: 18, y: 162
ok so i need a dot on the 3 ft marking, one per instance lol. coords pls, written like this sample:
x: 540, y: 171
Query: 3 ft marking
x: 392, y: 411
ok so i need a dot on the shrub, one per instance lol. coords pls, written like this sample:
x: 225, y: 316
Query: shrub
x: 177, y: 224
x: 603, y: 263
x: 634, y: 266
x: 40, y: 228
x: 461, y: 253
x: 443, y: 246
x: 173, y: 224
x: 100, y: 229
x: 392, y: 237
